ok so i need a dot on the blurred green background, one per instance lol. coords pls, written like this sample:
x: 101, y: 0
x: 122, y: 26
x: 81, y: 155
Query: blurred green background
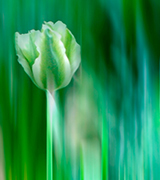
x: 109, y: 115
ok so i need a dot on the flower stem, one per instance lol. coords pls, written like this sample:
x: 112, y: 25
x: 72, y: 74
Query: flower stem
x: 50, y: 109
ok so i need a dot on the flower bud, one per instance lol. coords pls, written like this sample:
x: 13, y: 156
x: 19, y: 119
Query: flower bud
x: 50, y: 56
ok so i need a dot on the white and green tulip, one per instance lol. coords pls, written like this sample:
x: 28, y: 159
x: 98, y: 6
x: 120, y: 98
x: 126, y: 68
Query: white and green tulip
x: 50, y: 56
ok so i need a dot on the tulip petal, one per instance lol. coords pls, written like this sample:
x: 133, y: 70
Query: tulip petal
x: 30, y: 52
x: 36, y: 69
x: 72, y: 51
x: 70, y: 44
x: 54, y: 65
x: 21, y: 58
x: 26, y: 43
x: 26, y: 50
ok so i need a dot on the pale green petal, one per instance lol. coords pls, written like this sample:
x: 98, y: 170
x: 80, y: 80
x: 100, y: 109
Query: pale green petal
x: 72, y: 51
x: 19, y: 44
x: 26, y: 50
x: 54, y: 68
x: 70, y: 44
x: 59, y: 27
x: 26, y: 43
x: 36, y: 69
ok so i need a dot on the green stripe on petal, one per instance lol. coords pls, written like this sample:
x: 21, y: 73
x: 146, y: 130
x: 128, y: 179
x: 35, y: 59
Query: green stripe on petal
x: 55, y: 67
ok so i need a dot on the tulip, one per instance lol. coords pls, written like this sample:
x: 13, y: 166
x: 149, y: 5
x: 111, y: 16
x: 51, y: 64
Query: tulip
x: 50, y: 56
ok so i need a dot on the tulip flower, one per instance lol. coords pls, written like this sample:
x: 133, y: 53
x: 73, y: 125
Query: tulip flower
x: 50, y: 57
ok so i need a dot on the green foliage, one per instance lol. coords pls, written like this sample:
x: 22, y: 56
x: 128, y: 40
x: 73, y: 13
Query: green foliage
x: 118, y: 83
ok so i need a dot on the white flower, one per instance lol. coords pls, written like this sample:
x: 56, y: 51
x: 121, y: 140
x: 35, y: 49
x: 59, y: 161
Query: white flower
x: 50, y: 56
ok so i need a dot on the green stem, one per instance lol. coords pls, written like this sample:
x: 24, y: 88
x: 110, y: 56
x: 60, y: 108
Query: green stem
x: 50, y: 109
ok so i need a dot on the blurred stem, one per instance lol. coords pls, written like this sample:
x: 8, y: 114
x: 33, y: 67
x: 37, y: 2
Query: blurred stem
x: 91, y: 159
x: 50, y: 109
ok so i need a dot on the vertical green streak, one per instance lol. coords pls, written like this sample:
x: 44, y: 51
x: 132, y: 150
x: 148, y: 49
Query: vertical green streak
x: 50, y: 103
x: 104, y: 151
x: 81, y: 165
x: 159, y: 90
